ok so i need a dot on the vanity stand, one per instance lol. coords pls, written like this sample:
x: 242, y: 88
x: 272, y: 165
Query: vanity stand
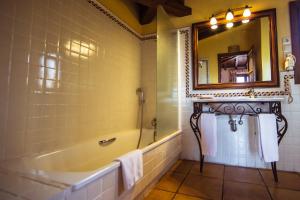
x: 239, y: 107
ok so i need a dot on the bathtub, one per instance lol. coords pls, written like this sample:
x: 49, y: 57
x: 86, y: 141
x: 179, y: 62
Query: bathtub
x: 81, y: 164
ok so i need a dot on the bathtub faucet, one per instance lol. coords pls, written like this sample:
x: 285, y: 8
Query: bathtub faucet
x: 154, y: 125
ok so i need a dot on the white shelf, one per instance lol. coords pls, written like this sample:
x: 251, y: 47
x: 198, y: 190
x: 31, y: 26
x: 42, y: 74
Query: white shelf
x: 239, y: 99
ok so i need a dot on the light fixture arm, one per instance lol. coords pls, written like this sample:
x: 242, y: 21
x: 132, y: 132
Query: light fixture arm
x: 232, y: 9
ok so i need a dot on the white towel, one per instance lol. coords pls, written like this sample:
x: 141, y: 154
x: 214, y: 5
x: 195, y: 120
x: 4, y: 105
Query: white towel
x: 257, y: 128
x: 267, y: 137
x: 208, y: 128
x: 132, y: 168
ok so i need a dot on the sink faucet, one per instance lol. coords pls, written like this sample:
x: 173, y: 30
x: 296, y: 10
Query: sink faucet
x: 251, y: 93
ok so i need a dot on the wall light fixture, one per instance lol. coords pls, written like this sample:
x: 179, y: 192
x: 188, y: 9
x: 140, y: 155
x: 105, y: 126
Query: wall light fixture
x: 229, y: 16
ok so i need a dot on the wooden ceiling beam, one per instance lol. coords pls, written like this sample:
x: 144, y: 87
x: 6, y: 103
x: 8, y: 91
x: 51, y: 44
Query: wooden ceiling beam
x: 177, y: 9
x: 147, y: 15
x: 148, y: 9
x: 150, y: 3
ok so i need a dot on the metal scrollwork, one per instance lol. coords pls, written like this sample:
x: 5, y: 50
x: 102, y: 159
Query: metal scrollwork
x: 235, y: 108
x: 280, y: 119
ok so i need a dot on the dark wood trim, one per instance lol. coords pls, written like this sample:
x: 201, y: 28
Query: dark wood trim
x: 274, y: 54
x: 295, y: 35
x: 147, y: 9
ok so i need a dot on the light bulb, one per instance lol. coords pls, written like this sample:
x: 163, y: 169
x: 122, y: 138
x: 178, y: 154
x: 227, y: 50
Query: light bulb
x: 213, y: 27
x: 229, y: 25
x: 247, y: 12
x: 245, y: 21
x: 229, y: 15
x: 213, y: 20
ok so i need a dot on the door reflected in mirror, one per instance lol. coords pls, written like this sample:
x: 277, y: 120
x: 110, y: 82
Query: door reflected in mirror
x: 203, y: 77
x: 243, y: 55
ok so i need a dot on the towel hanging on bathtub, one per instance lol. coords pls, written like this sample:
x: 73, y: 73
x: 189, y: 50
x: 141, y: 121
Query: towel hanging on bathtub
x: 267, y: 137
x: 132, y: 168
x: 208, y: 128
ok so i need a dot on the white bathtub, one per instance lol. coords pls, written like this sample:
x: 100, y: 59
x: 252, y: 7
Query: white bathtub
x: 81, y: 164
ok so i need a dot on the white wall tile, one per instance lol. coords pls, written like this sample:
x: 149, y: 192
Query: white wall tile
x: 62, y: 75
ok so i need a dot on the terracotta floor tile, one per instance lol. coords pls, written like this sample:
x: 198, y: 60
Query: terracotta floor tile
x: 160, y: 195
x: 244, y: 191
x: 186, y: 197
x: 209, y: 170
x: 183, y: 166
x: 239, y: 183
x: 287, y: 180
x: 241, y: 174
x: 200, y: 186
x: 170, y: 182
x: 284, y: 194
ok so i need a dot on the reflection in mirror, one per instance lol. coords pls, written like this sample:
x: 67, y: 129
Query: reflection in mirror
x: 241, y: 56
x: 237, y: 55
x: 203, y: 77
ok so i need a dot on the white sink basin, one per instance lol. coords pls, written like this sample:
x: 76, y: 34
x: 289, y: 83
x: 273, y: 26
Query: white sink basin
x: 239, y: 99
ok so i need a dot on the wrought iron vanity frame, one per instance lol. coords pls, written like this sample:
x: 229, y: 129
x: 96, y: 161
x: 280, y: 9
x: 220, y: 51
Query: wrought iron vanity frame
x: 251, y: 108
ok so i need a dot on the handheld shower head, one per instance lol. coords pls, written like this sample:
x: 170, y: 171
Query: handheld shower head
x: 140, y: 92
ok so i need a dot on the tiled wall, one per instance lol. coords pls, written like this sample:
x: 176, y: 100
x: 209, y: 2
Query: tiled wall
x: 238, y: 148
x: 156, y: 162
x: 68, y: 72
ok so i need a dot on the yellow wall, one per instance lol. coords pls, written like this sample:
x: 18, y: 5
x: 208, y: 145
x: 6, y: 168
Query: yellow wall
x: 125, y: 10
x: 265, y: 49
x: 258, y: 59
x: 149, y: 28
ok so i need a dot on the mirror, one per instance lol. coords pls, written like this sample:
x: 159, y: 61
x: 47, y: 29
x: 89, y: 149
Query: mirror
x: 239, y: 57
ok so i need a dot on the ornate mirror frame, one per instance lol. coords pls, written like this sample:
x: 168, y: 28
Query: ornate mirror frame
x: 273, y: 54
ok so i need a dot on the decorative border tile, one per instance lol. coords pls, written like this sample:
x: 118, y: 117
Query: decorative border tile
x: 149, y: 37
x: 197, y: 94
x: 115, y: 19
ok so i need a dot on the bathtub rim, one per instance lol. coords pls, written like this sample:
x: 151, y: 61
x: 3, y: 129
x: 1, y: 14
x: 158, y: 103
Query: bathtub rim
x: 115, y: 164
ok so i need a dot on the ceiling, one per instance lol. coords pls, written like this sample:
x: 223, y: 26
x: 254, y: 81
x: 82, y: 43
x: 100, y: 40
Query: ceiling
x: 201, y: 11
x: 147, y: 9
